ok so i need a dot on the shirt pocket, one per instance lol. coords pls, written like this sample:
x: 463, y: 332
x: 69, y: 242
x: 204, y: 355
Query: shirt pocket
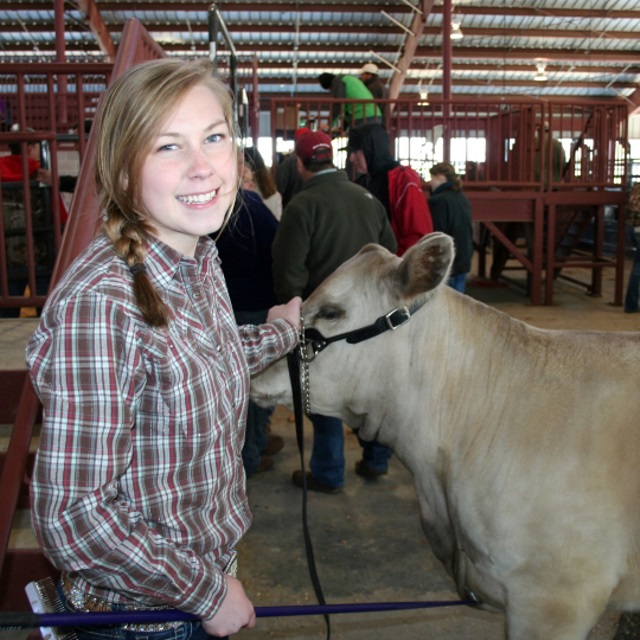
x: 180, y: 397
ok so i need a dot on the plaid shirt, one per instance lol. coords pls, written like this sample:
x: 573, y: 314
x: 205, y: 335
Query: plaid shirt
x: 138, y: 490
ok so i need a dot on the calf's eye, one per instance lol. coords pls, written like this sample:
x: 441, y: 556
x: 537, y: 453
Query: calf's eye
x: 331, y: 313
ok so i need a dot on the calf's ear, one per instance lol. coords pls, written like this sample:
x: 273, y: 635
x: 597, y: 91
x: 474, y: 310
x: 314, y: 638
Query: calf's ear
x: 425, y: 265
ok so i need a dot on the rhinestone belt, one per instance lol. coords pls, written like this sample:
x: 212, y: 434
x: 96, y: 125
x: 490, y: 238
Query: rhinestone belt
x: 80, y: 601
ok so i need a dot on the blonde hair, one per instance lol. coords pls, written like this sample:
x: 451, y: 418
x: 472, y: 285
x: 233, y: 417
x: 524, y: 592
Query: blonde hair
x: 132, y: 112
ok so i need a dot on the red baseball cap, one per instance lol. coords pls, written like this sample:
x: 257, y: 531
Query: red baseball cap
x: 300, y: 132
x: 315, y: 146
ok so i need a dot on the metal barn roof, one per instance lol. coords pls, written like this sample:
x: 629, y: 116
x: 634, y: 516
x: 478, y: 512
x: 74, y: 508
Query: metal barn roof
x: 583, y: 48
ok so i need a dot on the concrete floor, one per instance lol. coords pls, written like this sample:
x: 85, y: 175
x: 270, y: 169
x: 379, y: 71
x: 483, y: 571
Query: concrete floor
x: 368, y: 542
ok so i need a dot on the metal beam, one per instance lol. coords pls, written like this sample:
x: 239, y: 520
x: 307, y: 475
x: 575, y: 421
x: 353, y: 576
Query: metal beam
x: 98, y: 28
x: 321, y: 27
x: 410, y: 46
x: 634, y: 102
x: 493, y: 54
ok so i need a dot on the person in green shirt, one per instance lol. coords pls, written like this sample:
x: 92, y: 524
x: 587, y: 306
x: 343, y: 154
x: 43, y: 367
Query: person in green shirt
x: 345, y: 115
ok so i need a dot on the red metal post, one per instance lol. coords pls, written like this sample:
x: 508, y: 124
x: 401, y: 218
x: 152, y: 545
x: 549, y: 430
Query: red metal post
x: 447, y: 55
x: 61, y: 56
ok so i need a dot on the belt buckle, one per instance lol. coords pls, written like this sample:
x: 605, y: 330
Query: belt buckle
x: 80, y: 601
x: 153, y: 627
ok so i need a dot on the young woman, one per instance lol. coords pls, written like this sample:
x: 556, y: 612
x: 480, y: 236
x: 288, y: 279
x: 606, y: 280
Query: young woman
x: 138, y: 491
x: 451, y: 213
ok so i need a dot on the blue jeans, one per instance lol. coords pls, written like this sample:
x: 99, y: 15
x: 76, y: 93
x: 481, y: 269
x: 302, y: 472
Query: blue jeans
x: 327, y: 455
x: 633, y: 286
x: 258, y: 418
x: 458, y: 282
x: 186, y: 631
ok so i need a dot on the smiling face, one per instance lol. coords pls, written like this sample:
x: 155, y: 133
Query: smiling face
x: 189, y: 179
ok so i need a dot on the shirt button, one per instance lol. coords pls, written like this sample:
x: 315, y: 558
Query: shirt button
x: 196, y: 295
x: 219, y: 348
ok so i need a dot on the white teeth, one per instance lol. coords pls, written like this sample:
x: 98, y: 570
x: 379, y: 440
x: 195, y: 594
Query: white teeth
x: 199, y: 199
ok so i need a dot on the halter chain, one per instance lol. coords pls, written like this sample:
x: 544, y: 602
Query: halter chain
x: 304, y: 371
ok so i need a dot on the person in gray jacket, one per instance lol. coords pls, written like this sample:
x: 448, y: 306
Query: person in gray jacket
x: 324, y: 225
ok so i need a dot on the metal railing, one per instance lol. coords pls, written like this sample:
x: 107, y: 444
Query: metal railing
x: 51, y: 105
x: 538, y: 164
x: 492, y: 143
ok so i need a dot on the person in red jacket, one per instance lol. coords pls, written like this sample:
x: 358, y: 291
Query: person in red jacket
x: 11, y: 170
x: 11, y: 166
x: 397, y: 186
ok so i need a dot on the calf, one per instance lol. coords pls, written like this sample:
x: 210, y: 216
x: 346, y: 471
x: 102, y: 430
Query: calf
x: 524, y: 444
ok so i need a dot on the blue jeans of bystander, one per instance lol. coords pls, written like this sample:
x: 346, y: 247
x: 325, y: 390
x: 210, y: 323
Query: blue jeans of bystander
x: 633, y: 286
x: 458, y: 282
x: 327, y: 455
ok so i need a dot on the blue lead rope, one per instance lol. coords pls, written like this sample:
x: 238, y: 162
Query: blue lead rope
x: 9, y: 620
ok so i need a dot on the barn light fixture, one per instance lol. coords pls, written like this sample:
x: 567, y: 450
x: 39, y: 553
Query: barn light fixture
x: 541, y: 73
x: 456, y: 32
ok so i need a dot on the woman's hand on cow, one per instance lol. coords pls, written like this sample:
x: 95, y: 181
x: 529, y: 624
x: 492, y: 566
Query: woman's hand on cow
x: 235, y: 612
x: 289, y: 311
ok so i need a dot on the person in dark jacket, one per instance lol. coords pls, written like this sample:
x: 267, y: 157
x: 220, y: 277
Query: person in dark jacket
x: 244, y: 247
x: 633, y: 233
x: 397, y: 186
x: 288, y: 178
x: 451, y: 214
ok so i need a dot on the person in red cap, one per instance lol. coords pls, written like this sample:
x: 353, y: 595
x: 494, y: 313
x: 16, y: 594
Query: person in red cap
x: 324, y: 225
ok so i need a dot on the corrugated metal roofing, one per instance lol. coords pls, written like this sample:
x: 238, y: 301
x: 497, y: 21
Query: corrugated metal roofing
x: 589, y: 47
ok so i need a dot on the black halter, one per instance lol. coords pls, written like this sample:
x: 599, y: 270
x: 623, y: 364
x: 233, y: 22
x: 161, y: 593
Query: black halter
x: 314, y: 342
